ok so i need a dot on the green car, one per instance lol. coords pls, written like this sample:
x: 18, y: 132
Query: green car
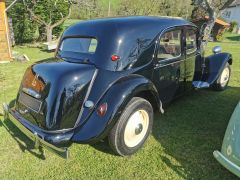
x: 229, y: 156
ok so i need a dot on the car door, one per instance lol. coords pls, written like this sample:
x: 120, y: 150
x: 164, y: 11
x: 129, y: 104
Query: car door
x: 169, y: 66
x: 191, y: 52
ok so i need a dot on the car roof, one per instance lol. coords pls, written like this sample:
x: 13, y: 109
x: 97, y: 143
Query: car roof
x: 123, y: 36
x: 137, y: 23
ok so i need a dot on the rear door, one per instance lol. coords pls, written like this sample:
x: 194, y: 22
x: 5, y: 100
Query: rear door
x: 169, y: 66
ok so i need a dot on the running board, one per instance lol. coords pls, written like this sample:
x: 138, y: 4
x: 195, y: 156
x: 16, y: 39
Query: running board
x: 200, y: 84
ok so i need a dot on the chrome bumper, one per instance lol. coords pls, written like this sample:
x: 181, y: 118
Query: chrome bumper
x: 226, y: 163
x: 35, y: 136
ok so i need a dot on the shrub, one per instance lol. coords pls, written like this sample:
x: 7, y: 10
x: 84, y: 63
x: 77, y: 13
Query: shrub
x: 233, y: 26
x: 26, y: 30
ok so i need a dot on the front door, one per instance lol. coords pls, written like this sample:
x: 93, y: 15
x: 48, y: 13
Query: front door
x: 169, y: 65
x: 191, y: 51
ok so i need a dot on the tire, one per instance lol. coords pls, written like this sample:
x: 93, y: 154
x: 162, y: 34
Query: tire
x: 222, y: 82
x: 128, y: 136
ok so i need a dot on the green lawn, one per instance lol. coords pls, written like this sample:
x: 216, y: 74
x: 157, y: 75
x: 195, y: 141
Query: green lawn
x: 180, y: 146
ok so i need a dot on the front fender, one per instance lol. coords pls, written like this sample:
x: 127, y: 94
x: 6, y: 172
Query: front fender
x: 117, y: 97
x: 215, y: 65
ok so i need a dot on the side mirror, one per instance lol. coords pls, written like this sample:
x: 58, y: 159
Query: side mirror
x: 217, y: 49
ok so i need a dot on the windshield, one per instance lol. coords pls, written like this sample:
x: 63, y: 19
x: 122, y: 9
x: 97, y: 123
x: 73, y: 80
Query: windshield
x: 79, y: 45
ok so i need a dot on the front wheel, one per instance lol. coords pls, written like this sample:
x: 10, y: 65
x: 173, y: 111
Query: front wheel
x: 133, y: 127
x: 222, y: 82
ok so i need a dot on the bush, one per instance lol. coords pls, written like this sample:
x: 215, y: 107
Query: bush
x: 233, y: 26
x: 26, y: 30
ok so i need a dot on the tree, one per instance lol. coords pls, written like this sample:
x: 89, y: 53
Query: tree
x: 24, y: 28
x: 48, y: 13
x: 214, y: 9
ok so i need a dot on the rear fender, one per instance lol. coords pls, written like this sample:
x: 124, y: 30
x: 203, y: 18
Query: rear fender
x: 117, y: 97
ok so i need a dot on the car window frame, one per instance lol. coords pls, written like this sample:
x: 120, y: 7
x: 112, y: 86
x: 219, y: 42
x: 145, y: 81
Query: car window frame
x: 79, y: 37
x: 195, y: 29
x: 181, y: 28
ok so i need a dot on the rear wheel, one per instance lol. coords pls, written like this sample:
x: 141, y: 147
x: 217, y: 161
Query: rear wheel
x: 222, y: 82
x: 133, y: 127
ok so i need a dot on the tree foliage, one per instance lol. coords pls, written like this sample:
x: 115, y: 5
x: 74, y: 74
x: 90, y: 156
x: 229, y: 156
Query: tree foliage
x: 24, y: 28
x: 87, y: 9
x: 48, y: 13
x: 39, y: 15
x: 35, y: 17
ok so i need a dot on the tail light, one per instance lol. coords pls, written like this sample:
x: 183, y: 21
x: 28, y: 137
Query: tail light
x: 115, y: 57
x: 102, y: 109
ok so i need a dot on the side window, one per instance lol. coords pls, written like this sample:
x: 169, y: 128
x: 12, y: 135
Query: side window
x: 191, y: 41
x: 170, y: 45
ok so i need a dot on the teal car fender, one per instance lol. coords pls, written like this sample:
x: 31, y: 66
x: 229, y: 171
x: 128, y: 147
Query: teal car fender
x: 229, y: 156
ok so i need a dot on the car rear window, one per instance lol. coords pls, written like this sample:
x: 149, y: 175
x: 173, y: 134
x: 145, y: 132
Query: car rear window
x: 79, y: 45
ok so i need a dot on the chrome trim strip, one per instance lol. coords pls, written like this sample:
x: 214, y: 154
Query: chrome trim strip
x: 159, y: 66
x: 86, y: 96
x: 235, y: 169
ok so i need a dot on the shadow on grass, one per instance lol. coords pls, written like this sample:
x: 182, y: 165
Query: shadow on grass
x: 104, y: 147
x: 23, y: 141
x: 46, y: 51
x: 192, y: 128
x: 233, y: 38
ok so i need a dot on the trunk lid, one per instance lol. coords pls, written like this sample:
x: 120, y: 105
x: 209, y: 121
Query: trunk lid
x: 52, y: 93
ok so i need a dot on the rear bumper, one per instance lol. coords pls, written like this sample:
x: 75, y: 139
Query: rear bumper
x: 57, y: 142
x: 226, y: 163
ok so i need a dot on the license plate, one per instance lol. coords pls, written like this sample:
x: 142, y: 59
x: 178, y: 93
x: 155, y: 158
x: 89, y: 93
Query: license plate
x: 29, y: 102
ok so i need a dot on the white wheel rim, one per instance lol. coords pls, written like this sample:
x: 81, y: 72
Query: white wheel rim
x: 224, y: 77
x: 136, y: 128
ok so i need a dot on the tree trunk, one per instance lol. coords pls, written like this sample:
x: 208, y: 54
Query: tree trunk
x: 208, y: 29
x: 49, y: 30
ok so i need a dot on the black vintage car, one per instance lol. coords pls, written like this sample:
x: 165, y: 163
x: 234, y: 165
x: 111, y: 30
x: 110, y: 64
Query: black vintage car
x: 107, y: 78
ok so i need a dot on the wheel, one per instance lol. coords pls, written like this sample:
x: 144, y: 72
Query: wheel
x: 222, y: 82
x: 133, y: 127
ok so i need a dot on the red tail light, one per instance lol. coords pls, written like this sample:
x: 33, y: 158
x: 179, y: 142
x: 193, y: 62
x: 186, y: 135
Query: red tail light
x: 115, y: 57
x: 102, y: 109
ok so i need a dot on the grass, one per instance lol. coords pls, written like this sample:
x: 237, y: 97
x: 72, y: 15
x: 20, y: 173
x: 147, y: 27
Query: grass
x: 180, y: 146
x: 231, y: 37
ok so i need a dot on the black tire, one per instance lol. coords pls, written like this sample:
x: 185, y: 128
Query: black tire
x: 218, y: 85
x: 117, y: 136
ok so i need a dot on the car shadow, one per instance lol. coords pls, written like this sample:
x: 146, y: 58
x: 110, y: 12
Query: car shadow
x: 24, y: 143
x: 192, y: 128
x: 104, y: 147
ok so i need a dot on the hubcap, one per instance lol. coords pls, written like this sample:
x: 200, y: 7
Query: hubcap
x: 136, y: 128
x: 225, y: 77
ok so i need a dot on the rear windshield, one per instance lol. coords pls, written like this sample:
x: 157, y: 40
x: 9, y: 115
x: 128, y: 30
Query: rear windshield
x: 79, y: 45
